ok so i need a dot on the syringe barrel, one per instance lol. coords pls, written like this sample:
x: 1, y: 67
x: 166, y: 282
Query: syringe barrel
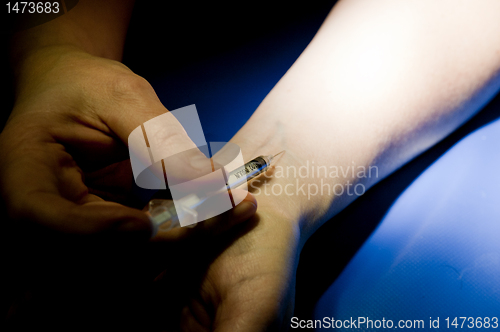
x: 164, y: 214
x: 247, y: 172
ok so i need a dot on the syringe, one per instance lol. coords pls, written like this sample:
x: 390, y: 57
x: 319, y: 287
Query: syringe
x: 249, y: 171
x: 163, y: 213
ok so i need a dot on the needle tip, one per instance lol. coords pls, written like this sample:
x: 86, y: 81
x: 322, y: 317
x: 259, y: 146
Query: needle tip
x: 278, y: 153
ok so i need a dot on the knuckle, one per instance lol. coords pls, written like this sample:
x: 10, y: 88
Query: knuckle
x: 128, y: 86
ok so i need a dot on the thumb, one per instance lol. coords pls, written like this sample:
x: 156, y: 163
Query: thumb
x: 153, y: 134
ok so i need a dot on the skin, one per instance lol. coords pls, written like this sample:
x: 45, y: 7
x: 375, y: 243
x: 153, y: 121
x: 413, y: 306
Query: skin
x: 65, y: 175
x: 75, y: 108
x: 380, y: 83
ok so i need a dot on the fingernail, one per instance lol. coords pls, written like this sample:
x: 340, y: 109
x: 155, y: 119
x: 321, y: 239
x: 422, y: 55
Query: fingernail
x: 244, y: 210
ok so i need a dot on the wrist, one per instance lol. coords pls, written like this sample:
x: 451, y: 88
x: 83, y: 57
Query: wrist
x: 58, y: 68
x: 32, y: 66
x: 287, y: 192
x: 314, y: 179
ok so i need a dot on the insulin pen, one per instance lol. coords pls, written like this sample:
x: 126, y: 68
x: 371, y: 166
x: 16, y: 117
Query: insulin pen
x: 164, y: 214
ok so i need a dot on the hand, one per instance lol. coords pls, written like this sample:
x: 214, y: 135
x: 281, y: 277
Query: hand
x: 250, y: 285
x: 65, y: 173
x: 243, y: 280
x: 64, y: 159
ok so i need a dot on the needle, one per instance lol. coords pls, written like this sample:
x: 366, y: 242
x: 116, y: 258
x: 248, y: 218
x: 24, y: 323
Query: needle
x: 278, y: 154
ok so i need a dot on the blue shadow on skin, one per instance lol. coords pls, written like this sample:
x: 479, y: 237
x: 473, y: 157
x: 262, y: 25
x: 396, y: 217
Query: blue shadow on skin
x: 436, y: 253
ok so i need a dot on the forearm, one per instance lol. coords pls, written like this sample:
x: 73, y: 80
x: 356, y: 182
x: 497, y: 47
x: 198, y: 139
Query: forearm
x: 92, y: 26
x: 380, y: 83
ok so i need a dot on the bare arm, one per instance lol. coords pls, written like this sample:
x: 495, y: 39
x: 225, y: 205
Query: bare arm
x: 381, y: 82
x: 96, y: 27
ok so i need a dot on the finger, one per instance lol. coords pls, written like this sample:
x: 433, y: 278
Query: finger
x: 113, y: 183
x: 212, y: 226
x: 225, y: 221
x: 139, y: 112
x: 91, y: 148
x: 90, y: 198
x: 154, y: 136
x: 42, y: 184
x: 92, y: 217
